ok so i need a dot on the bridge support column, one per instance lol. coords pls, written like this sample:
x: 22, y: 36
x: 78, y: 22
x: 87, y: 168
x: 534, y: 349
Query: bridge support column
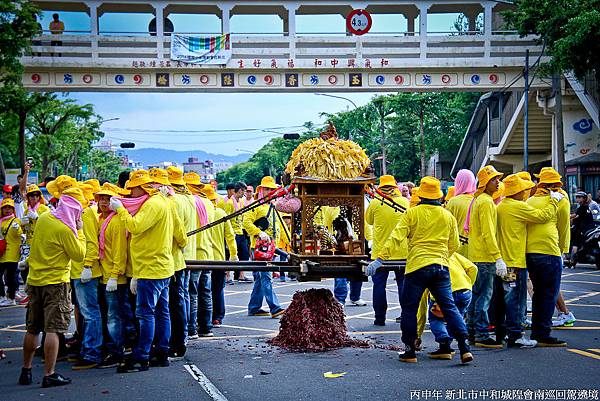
x: 159, y: 13
x: 289, y: 27
x: 94, y: 30
x: 225, y: 18
x: 487, y: 28
x: 423, y: 7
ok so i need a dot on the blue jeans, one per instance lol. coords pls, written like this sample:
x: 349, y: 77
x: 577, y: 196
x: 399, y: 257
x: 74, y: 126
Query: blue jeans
x: 436, y: 278
x: 263, y: 288
x: 462, y: 299
x: 186, y: 294
x: 545, y: 273
x: 193, y: 294
x: 243, y: 247
x: 340, y: 289
x: 478, y: 319
x: 380, y: 304
x: 87, y: 299
x: 515, y: 299
x: 152, y: 312
x: 119, y: 319
x: 177, y: 311
x: 218, y: 295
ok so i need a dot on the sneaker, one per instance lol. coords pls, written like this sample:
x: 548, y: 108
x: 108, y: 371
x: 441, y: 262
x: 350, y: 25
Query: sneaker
x: 570, y: 319
x: 418, y: 344
x: 359, y: 302
x: 83, y: 364
x: 408, y: 356
x: 24, y: 301
x: 176, y: 355
x: 399, y: 319
x: 193, y: 337
x: 54, y: 380
x: 446, y: 353
x: 551, y: 342
x: 230, y: 282
x: 8, y: 302
x: 466, y: 357
x: 260, y: 312
x: 489, y: 343
x: 564, y: 319
x: 216, y: 323
x: 130, y: 365
x: 522, y: 342
x: 25, y: 377
x: 278, y: 313
x: 110, y: 361
x: 160, y: 361
x: 207, y: 334
x: 527, y: 324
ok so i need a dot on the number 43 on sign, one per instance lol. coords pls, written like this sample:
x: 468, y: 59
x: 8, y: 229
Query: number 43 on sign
x: 359, y: 22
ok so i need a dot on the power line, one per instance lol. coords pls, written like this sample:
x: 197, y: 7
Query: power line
x: 179, y: 131
x: 192, y: 143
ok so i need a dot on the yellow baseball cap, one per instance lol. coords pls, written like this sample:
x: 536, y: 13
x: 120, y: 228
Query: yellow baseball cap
x: 31, y: 188
x: 513, y: 184
x: 61, y: 184
x: 430, y: 188
x: 486, y: 174
x: 549, y: 176
x: 107, y: 189
x: 387, y: 181
x: 175, y: 175
x: 159, y: 176
x: 138, y: 178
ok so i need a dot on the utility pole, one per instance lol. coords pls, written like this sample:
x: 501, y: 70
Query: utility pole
x: 422, y: 134
x: 559, y: 140
x: 526, y: 115
x: 383, y: 157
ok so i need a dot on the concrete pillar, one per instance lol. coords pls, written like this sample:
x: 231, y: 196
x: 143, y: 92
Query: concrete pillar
x: 160, y: 28
x: 289, y: 23
x: 94, y: 29
x: 423, y: 7
x: 487, y: 27
x: 411, y: 18
x: 225, y: 18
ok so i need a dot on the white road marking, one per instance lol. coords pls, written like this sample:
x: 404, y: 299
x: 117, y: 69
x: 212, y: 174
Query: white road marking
x: 206, y: 384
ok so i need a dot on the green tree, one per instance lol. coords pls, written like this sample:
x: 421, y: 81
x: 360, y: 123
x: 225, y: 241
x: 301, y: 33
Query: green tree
x: 103, y: 165
x: 569, y: 28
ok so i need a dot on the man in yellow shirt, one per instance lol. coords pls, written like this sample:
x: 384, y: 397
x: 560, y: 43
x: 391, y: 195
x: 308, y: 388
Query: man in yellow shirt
x: 432, y: 238
x: 235, y: 202
x: 263, y: 281
x: 384, y: 219
x: 513, y: 217
x: 57, y: 241
x: 546, y: 243
x: 484, y: 252
x: 149, y: 222
x: 177, y: 303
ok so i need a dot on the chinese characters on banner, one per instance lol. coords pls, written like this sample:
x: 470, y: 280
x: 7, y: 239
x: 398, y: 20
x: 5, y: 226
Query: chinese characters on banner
x: 210, y: 50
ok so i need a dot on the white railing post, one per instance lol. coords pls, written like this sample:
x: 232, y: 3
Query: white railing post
x: 225, y: 18
x: 94, y: 30
x: 487, y: 28
x: 159, y: 14
x: 291, y: 27
x: 423, y: 7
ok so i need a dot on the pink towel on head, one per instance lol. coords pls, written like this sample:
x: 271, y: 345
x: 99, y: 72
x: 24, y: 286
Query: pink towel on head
x: 10, y: 216
x: 68, y: 212
x: 36, y: 206
x: 468, y: 219
x: 134, y: 204
x: 201, y: 210
x: 102, y: 236
x: 464, y: 182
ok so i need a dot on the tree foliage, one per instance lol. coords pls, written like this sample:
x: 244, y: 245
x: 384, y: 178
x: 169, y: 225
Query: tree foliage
x: 445, y: 115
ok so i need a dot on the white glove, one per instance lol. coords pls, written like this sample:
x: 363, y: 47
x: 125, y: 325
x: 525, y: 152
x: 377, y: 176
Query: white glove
x: 501, y: 269
x: 23, y: 265
x: 370, y: 244
x: 15, y: 226
x: 86, y: 274
x: 111, y: 285
x: 263, y: 236
x: 133, y: 286
x: 79, y: 224
x: 25, y: 220
x: 556, y: 195
x: 373, y: 266
x: 32, y: 215
x: 164, y: 190
x: 114, y: 204
x: 234, y: 258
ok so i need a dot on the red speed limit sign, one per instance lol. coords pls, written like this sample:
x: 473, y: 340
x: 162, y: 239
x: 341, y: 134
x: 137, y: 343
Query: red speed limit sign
x: 359, y: 22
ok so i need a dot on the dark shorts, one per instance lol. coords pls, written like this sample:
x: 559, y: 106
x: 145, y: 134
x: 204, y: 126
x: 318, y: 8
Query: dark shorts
x: 49, y: 308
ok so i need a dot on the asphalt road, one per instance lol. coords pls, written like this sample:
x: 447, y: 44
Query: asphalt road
x: 238, y: 364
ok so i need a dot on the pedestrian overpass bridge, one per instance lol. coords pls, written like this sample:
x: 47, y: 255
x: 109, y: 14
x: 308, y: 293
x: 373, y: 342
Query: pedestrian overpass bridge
x: 482, y: 57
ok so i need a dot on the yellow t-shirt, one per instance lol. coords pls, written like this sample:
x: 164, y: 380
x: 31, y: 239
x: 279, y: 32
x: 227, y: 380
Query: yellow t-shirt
x: 204, y: 248
x: 384, y: 219
x: 459, y: 206
x: 432, y: 236
x: 483, y: 246
x: 552, y: 236
x: 114, y: 262
x: 186, y: 208
x: 253, y: 231
x: 151, y: 233
x: 179, y: 236
x: 513, y: 218
x: 11, y: 229
x: 53, y: 247
x: 90, y: 230
x: 221, y: 234
x: 230, y: 207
